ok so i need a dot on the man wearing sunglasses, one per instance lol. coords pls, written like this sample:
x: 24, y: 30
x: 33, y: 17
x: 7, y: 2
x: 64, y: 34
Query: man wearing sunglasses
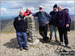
x: 43, y: 19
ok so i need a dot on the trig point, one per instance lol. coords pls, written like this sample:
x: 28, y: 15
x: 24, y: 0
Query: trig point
x: 31, y: 33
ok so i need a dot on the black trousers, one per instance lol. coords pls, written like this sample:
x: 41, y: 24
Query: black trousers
x: 63, y: 34
x: 43, y: 31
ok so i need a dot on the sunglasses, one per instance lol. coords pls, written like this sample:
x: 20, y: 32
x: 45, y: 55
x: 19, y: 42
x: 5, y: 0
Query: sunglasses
x: 40, y: 8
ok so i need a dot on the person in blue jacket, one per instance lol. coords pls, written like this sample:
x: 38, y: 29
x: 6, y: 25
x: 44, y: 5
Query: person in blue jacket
x: 20, y: 25
x: 43, y: 19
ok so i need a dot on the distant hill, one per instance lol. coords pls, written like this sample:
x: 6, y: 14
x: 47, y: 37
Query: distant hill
x: 7, y: 24
x: 72, y: 17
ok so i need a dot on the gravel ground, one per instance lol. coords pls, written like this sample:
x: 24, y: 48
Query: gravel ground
x: 9, y: 46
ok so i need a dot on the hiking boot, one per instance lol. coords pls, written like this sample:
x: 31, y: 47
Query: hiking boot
x: 61, y: 43
x: 26, y: 48
x: 67, y: 46
x: 46, y: 39
x: 21, y: 49
x: 50, y: 39
x: 56, y: 40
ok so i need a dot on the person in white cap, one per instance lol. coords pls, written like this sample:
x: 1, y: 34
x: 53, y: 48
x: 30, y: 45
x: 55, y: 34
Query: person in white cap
x: 43, y: 19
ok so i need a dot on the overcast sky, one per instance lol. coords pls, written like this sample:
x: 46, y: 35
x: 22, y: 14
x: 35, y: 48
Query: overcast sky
x: 12, y: 8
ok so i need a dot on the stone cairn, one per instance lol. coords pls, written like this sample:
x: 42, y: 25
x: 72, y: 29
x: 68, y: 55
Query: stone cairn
x: 31, y: 33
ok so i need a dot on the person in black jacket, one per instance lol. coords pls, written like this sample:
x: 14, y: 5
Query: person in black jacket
x: 52, y: 23
x: 20, y: 25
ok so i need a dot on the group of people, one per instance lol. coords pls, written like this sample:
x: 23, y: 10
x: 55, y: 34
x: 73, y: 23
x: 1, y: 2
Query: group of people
x: 59, y: 19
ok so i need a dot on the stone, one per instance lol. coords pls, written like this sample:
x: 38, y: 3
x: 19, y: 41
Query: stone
x: 31, y: 33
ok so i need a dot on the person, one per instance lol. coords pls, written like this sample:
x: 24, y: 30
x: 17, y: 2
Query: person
x: 43, y: 19
x: 27, y: 12
x: 20, y: 25
x: 52, y: 22
x: 63, y: 20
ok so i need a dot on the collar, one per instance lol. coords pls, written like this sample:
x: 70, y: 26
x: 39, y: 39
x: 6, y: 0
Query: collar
x: 21, y: 17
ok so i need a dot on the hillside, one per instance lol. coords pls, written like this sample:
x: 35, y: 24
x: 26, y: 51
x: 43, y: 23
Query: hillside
x: 7, y: 24
x: 9, y: 27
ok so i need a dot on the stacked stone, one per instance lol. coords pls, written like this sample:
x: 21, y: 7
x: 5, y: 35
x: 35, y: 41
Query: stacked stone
x: 31, y: 29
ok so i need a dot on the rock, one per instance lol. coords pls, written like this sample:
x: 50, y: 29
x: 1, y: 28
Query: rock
x: 33, y: 43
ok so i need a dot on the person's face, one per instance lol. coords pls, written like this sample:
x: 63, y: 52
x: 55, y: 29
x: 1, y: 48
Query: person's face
x: 55, y: 9
x: 59, y: 8
x: 40, y: 9
x: 21, y: 13
x: 27, y: 10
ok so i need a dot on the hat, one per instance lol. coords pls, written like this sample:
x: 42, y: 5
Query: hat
x: 55, y: 6
x: 41, y: 7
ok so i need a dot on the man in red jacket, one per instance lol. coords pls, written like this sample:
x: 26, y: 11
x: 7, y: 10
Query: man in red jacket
x: 27, y: 12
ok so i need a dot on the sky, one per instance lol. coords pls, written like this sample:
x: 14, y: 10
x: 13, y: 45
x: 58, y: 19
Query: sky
x: 12, y: 8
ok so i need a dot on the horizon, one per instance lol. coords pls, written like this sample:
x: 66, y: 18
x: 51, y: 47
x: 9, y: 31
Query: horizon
x: 12, y: 17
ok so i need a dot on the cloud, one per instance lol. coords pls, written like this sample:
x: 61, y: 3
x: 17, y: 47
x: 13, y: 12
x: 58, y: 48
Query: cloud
x: 13, y: 7
x: 4, y: 10
x: 9, y: 12
x: 24, y: 8
x: 62, y: 3
x: 32, y: 8
x: 48, y: 5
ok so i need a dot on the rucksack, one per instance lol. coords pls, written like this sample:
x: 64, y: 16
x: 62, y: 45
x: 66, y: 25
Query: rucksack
x: 66, y: 10
x: 60, y: 20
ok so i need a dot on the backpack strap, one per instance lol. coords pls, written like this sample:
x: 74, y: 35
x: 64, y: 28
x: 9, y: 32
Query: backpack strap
x: 45, y: 14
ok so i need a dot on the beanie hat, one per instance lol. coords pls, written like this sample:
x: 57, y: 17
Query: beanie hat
x: 55, y: 6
